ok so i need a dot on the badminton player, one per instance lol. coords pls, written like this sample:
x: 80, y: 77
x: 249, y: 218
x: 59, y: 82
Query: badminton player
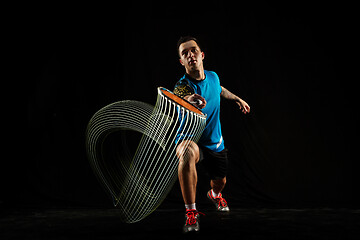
x: 202, y: 88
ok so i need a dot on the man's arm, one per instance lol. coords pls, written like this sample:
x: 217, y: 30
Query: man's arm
x: 230, y: 96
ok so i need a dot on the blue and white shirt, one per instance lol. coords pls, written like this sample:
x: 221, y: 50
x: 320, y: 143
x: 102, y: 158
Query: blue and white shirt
x: 210, y: 89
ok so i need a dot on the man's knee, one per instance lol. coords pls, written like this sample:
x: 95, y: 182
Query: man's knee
x: 188, y: 152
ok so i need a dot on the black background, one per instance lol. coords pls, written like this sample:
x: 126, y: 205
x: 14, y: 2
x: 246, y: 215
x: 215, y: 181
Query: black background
x: 290, y: 62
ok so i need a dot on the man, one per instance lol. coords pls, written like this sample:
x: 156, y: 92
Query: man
x: 202, y: 88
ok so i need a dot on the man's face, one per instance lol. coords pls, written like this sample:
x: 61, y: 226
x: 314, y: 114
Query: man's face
x: 191, y: 56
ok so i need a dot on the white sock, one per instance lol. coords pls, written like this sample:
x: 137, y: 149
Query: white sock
x: 214, y: 194
x: 191, y: 206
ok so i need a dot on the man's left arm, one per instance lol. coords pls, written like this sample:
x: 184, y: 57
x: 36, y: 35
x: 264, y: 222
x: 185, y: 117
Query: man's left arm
x: 245, y: 108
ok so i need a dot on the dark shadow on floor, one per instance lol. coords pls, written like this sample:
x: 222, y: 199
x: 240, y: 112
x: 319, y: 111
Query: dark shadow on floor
x: 80, y: 223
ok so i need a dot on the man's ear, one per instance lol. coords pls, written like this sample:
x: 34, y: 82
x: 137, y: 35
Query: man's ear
x: 181, y: 62
x: 203, y: 55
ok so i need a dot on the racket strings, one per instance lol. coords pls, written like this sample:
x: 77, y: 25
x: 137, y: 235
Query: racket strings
x: 138, y: 184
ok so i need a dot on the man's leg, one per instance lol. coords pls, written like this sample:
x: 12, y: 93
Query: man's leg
x: 188, y: 154
x: 218, y: 185
x: 217, y: 167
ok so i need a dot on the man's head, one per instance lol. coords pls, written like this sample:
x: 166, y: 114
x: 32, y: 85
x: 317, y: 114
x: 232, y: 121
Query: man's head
x: 191, y: 56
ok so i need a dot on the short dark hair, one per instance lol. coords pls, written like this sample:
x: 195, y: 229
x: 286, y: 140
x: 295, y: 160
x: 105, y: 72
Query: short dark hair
x: 186, y: 39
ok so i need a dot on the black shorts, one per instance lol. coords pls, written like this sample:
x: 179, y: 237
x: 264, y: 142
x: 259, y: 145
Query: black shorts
x: 215, y: 163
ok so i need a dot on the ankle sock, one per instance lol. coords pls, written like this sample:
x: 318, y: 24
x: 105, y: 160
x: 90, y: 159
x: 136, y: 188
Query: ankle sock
x: 191, y: 206
x: 214, y: 194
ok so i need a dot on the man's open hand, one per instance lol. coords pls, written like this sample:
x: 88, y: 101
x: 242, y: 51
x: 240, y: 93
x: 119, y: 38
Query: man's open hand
x: 245, y: 108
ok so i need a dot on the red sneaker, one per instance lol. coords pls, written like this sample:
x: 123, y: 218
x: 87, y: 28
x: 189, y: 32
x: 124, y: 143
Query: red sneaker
x: 192, y: 221
x: 219, y: 201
